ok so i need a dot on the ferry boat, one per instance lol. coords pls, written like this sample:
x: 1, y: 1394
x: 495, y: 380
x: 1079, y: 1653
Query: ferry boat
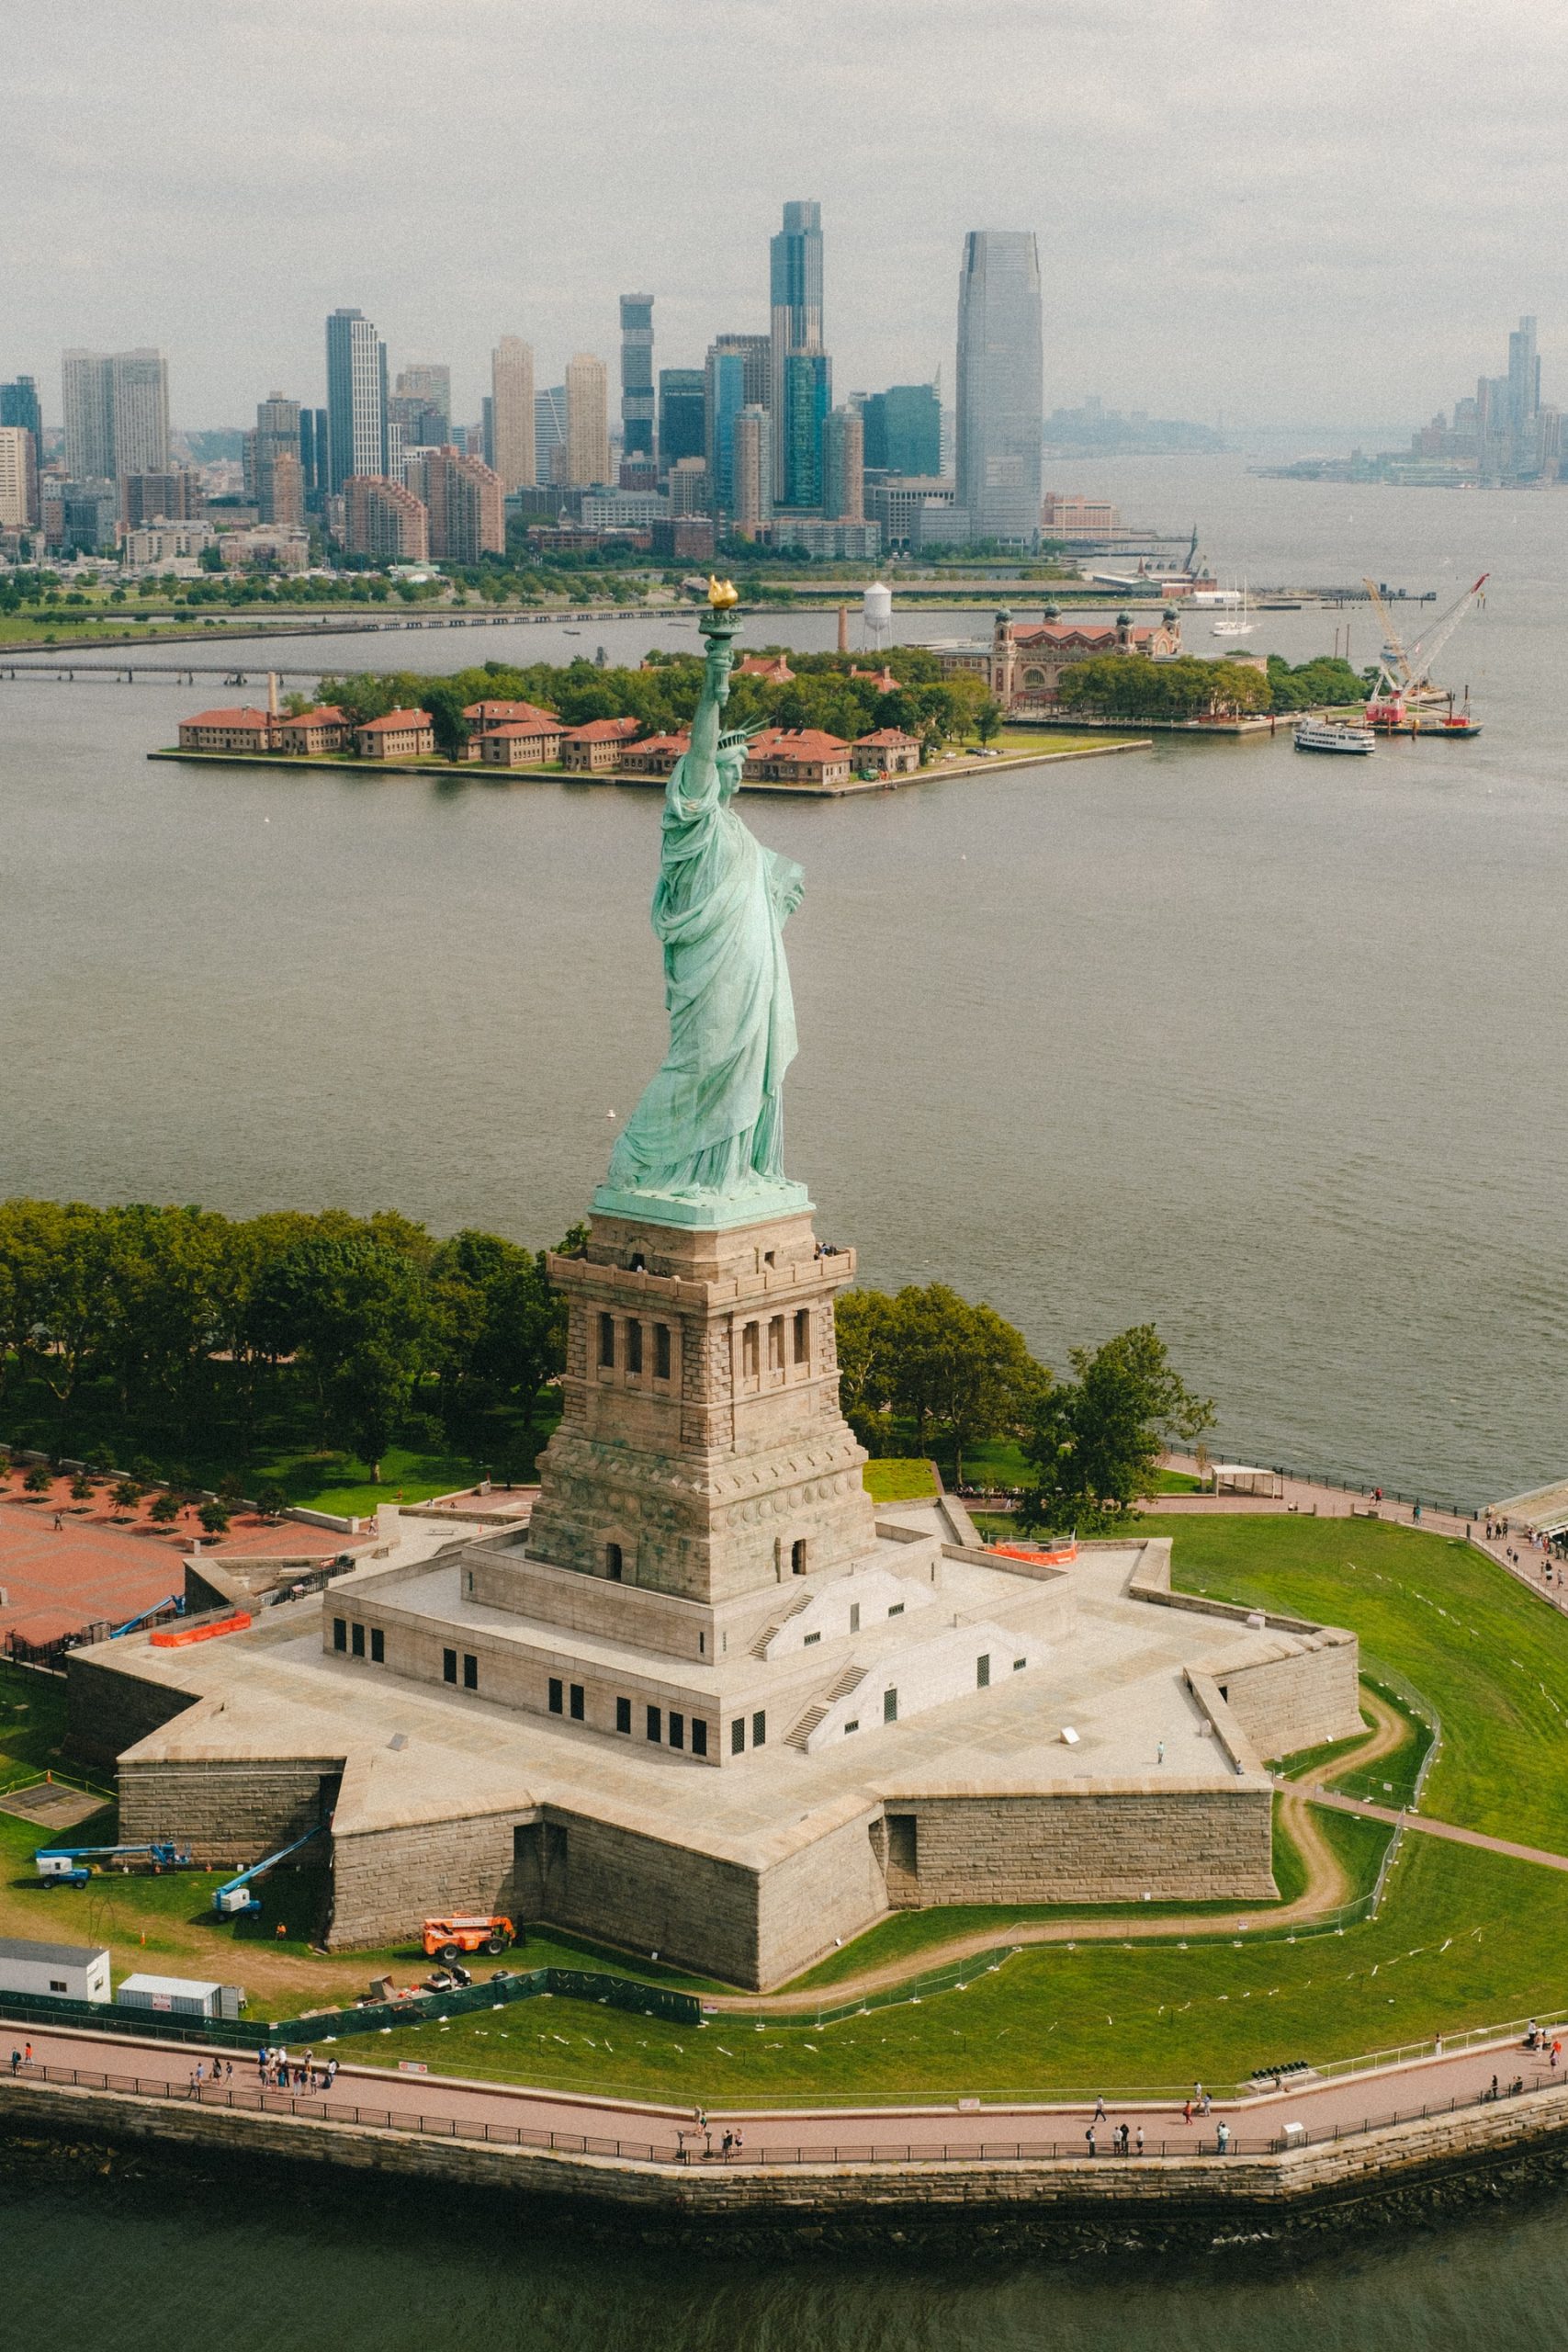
x: 1334, y: 735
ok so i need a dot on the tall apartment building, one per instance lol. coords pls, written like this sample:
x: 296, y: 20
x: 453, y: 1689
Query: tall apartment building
x: 751, y: 472
x: 843, y: 467
x: 313, y: 456
x: 464, y: 501
x: 19, y: 405
x: 807, y: 397
x: 1000, y: 405
x: 1524, y: 379
x: 357, y: 399
x: 587, y: 421
x: 116, y: 413
x: 680, y: 430
x: 688, y: 489
x: 903, y: 430
x: 794, y: 317
x: 384, y: 520
x: 19, y: 479
x: 637, y: 379
x: 513, y: 437
x: 735, y: 376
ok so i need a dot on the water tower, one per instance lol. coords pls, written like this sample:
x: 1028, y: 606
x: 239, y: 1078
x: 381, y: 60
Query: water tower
x: 878, y: 615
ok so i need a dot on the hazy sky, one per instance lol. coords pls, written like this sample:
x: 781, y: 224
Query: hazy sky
x: 1291, y: 211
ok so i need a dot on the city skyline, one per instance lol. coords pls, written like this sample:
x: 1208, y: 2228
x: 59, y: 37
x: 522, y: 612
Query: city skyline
x: 1193, y: 265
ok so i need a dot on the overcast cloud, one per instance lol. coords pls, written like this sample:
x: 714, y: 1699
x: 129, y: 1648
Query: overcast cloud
x: 1323, y: 212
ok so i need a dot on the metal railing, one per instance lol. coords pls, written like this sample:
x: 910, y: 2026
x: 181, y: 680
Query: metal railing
x: 1210, y: 2140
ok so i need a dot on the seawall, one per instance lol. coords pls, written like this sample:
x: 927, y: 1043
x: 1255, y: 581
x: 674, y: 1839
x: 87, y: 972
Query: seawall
x: 1411, y: 2172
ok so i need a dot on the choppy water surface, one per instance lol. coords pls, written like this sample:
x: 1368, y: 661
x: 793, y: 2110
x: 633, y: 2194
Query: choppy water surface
x: 1267, y: 1048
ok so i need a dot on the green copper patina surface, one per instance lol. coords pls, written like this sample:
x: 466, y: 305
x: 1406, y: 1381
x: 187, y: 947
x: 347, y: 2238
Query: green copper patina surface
x: 704, y: 1145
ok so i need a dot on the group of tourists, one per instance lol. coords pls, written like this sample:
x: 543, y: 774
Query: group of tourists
x: 730, y: 2146
x: 278, y: 2072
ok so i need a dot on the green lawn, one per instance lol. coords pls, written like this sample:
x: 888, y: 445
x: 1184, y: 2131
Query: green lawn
x: 336, y: 1482
x: 900, y: 1481
x: 1485, y: 1650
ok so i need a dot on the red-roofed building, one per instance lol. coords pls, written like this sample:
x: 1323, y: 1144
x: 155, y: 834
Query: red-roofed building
x: 313, y: 732
x: 398, y: 735
x: 486, y: 717
x: 1022, y: 664
x: 655, y: 755
x: 243, y: 729
x: 599, y: 745
x: 890, y: 750
x: 771, y: 666
x: 883, y: 678
x: 799, y: 755
x: 518, y: 744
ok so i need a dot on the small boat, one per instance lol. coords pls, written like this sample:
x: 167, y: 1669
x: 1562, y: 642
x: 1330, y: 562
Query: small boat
x: 1334, y: 735
x: 1243, y: 625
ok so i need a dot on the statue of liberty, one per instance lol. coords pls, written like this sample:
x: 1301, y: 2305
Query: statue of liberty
x: 704, y: 1145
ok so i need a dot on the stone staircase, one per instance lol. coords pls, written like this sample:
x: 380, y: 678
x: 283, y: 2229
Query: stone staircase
x: 800, y: 1731
x: 760, y: 1646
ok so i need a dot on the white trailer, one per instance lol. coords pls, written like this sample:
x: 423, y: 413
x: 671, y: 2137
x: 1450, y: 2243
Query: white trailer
x: 179, y: 1996
x: 58, y: 1972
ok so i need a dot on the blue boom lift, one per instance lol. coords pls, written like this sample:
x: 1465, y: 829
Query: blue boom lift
x: 233, y: 1899
x: 72, y: 1865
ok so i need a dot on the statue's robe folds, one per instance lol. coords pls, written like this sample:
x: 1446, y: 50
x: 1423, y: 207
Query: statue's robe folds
x: 712, y: 1119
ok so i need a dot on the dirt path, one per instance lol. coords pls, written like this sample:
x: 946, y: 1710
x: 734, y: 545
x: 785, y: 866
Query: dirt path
x: 1327, y: 1888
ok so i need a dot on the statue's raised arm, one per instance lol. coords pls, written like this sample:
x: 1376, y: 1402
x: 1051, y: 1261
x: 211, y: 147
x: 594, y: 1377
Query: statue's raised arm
x: 704, y: 1145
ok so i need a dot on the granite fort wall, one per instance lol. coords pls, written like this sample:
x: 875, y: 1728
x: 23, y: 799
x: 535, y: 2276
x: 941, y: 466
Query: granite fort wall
x: 386, y: 1882
x: 108, y: 1709
x: 1097, y: 1845
x: 1290, y: 1703
x: 225, y: 1811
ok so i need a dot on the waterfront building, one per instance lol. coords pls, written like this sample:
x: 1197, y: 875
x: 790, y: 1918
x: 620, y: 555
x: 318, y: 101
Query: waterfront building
x: 1077, y: 518
x: 399, y: 735
x: 597, y: 746
x: 843, y: 467
x: 1021, y: 662
x: 384, y: 520
x: 807, y: 397
x: 18, y: 479
x: 20, y: 406
x: 654, y: 755
x: 903, y: 430
x: 512, y: 433
x: 519, y: 742
x: 814, y: 535
x: 797, y: 755
x: 165, y: 546
x: 637, y: 379
x: 888, y: 750
x: 682, y: 432
x: 587, y: 419
x: 751, y: 473
x: 357, y: 399
x: 265, y: 546
x: 795, y: 315
x: 1000, y: 396
x: 313, y: 733
x: 241, y: 729
x: 774, y: 667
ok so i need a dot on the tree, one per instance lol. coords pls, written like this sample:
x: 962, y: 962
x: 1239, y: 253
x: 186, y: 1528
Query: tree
x: 40, y: 1478
x: 214, y: 1517
x: 81, y: 1487
x: 863, y: 1323
x: 271, y: 1500
x: 164, y: 1509
x: 1096, y: 1441
x: 127, y: 1495
x: 959, y: 1369
x: 988, y: 718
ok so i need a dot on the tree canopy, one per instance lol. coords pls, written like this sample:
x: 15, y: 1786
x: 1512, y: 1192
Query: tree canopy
x: 1129, y: 685
x: 957, y: 1371
x: 1095, y: 1441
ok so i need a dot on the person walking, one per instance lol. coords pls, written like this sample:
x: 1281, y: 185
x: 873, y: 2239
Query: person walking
x: 1100, y: 2108
x: 15, y: 2061
x: 1187, y: 2112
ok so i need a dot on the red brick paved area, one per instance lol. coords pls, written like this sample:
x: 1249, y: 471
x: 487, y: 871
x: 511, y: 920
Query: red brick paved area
x: 88, y: 1568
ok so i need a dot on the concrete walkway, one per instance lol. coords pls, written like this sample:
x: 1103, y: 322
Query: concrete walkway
x: 450, y: 2107
x: 1433, y: 1828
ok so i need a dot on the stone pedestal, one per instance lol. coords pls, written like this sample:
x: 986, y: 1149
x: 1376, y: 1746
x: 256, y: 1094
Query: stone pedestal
x: 702, y: 1451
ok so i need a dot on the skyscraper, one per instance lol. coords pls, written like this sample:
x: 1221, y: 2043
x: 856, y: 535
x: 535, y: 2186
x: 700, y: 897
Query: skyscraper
x: 807, y: 397
x: 549, y: 434
x: 313, y: 460
x: 587, y: 419
x: 680, y: 433
x: 795, y: 314
x: 429, y: 381
x: 637, y: 379
x: 86, y: 387
x: 139, y: 402
x: 843, y: 467
x: 903, y: 430
x: 751, y: 471
x: 513, y: 437
x: 19, y: 479
x: 999, y: 385
x: 20, y: 406
x: 357, y: 399
x: 465, y: 502
x: 1524, y: 379
x: 724, y: 397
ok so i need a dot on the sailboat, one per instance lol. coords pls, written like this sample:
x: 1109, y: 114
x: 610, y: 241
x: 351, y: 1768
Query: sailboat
x: 1243, y: 623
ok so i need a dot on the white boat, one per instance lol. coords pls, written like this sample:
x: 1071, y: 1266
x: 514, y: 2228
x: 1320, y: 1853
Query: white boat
x: 1334, y: 735
x: 1243, y: 625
